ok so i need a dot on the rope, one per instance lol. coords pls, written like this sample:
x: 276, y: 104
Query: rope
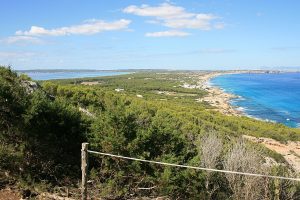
x: 197, y: 168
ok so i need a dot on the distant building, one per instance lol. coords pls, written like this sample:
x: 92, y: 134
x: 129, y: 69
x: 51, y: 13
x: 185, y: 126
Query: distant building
x: 119, y: 89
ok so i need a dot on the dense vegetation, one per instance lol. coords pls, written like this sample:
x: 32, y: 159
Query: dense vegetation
x: 38, y: 132
x: 42, y: 130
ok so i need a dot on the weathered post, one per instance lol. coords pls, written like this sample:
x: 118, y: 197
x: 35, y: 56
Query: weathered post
x: 84, y: 169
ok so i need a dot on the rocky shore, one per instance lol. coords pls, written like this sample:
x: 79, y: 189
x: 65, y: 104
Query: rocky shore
x: 216, y: 97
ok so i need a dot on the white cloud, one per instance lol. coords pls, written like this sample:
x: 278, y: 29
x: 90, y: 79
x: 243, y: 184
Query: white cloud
x: 164, y: 11
x: 88, y: 28
x: 22, y: 39
x: 175, y: 16
x: 200, y: 21
x: 172, y: 33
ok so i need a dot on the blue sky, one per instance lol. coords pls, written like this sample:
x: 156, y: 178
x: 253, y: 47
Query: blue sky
x: 177, y: 34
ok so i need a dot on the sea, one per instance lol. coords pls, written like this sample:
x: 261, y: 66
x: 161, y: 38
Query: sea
x: 37, y: 75
x: 268, y: 96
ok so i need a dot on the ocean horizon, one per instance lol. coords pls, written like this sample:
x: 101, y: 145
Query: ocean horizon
x: 269, y: 97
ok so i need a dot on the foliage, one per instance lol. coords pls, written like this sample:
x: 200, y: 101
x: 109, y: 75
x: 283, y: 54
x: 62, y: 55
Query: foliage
x: 53, y: 135
x: 51, y: 128
x: 40, y: 136
x: 13, y: 103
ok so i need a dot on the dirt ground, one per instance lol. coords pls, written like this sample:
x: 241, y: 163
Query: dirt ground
x: 8, y: 194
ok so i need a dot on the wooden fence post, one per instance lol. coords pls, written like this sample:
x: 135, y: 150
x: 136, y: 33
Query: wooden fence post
x: 84, y: 170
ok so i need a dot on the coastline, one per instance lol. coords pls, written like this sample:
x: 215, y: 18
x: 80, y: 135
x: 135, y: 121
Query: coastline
x: 221, y: 100
x: 217, y: 97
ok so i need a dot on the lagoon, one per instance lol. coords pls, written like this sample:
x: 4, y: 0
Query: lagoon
x: 48, y: 75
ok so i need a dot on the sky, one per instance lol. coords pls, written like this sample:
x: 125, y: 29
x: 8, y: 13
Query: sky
x: 123, y: 34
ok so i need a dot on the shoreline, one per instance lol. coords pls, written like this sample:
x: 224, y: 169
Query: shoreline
x: 220, y: 99
x: 217, y: 97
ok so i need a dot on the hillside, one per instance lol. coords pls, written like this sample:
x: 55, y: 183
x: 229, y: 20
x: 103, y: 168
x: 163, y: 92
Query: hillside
x: 149, y: 115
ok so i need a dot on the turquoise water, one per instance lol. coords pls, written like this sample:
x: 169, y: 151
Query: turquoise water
x: 67, y: 75
x: 273, y: 97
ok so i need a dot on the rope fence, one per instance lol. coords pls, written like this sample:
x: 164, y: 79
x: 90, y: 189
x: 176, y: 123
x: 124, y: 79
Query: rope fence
x: 85, y: 152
